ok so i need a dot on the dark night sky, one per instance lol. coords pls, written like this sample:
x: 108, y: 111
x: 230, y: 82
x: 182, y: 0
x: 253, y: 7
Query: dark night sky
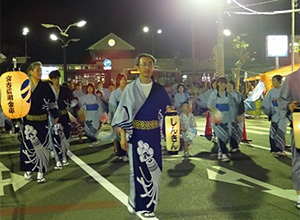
x: 126, y: 18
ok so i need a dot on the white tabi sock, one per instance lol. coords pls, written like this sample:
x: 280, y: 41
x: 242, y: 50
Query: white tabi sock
x: 40, y: 175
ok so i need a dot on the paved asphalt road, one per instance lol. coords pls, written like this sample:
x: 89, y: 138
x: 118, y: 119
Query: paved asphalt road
x: 253, y: 185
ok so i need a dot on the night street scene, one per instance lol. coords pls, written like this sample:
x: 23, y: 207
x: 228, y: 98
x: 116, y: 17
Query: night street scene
x: 150, y: 109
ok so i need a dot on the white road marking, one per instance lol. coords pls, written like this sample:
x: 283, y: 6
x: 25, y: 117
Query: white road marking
x: 247, y: 131
x: 232, y: 177
x: 264, y: 148
x: 16, y: 180
x: 9, y: 152
x: 257, y: 128
x: 262, y: 128
x: 117, y: 193
x: 256, y: 132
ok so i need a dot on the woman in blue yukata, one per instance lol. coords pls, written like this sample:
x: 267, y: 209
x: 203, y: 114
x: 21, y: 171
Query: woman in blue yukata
x: 114, y: 100
x: 91, y: 104
x: 202, y: 98
x: 220, y: 104
x: 278, y: 124
x: 139, y: 120
x: 238, y: 111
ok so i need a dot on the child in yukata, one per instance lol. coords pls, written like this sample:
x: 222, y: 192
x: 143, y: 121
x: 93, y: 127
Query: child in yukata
x: 187, y: 122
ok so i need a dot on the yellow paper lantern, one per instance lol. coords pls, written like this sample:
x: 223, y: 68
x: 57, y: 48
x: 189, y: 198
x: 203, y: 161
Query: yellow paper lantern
x: 172, y: 128
x: 296, y: 127
x: 15, y: 94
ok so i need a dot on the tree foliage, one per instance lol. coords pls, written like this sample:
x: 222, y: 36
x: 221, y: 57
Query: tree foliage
x: 240, y: 49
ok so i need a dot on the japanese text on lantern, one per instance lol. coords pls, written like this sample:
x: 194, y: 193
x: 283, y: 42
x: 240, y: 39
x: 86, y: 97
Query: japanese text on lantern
x: 10, y: 97
x: 174, y: 132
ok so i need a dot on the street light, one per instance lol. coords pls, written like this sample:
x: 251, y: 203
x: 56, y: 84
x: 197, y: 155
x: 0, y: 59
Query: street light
x: 65, y: 44
x: 53, y: 37
x: 226, y: 32
x: 146, y: 30
x: 63, y: 33
x: 25, y: 32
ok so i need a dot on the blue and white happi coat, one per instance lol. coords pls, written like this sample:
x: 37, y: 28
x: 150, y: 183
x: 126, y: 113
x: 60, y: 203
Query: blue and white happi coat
x: 142, y: 119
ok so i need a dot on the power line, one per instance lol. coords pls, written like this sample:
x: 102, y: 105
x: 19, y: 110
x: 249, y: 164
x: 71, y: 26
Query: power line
x: 255, y: 4
x: 244, y: 7
x: 253, y: 12
x: 264, y: 13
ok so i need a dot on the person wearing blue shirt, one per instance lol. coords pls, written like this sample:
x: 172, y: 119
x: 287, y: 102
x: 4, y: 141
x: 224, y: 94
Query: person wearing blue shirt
x: 180, y: 97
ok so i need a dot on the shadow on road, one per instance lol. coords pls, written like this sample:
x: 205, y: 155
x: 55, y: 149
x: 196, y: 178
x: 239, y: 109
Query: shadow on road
x: 180, y: 170
x: 90, y: 150
x: 286, y: 160
x: 238, y: 201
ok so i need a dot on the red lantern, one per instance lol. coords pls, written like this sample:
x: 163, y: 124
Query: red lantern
x: 15, y: 94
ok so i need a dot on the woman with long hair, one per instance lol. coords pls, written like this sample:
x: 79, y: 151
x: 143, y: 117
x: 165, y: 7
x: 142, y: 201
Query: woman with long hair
x: 114, y: 100
x: 220, y: 104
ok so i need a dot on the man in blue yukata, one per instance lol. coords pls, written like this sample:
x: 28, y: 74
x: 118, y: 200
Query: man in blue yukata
x: 289, y: 101
x: 139, y: 120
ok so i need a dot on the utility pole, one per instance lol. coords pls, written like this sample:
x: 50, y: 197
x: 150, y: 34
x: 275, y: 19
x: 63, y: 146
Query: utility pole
x: 65, y: 62
x: 220, y: 40
x: 152, y: 44
x: 294, y: 2
x: 193, y: 46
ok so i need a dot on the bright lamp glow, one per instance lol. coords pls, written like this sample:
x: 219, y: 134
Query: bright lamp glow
x: 53, y: 37
x: 146, y: 29
x: 111, y: 42
x: 159, y: 31
x: 25, y: 30
x: 227, y: 32
x: 81, y: 23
